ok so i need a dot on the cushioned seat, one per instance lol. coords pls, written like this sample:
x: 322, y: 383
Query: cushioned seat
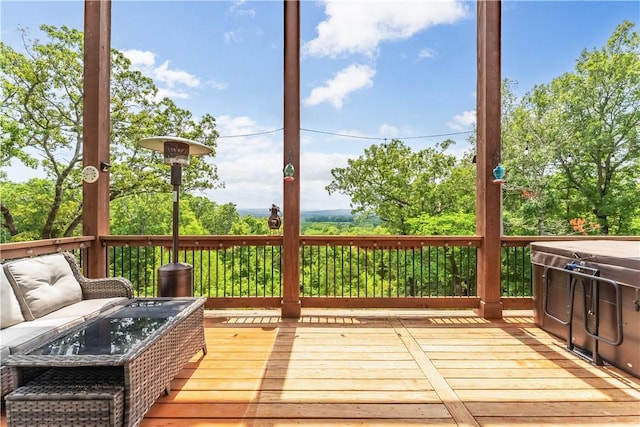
x: 45, y: 295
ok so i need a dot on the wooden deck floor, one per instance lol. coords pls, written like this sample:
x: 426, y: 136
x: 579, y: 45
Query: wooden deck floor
x: 391, y: 368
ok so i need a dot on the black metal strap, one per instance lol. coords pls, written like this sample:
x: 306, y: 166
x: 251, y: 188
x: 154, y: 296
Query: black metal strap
x: 582, y: 275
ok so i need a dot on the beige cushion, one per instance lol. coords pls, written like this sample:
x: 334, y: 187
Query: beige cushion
x: 36, y: 332
x: 87, y: 308
x: 10, y: 312
x: 43, y: 284
x: 4, y: 352
x: 28, y: 335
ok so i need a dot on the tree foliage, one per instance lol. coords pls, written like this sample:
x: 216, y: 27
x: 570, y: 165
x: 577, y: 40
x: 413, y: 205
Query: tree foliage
x: 142, y: 214
x: 41, y: 118
x: 599, y: 109
x: 398, y: 184
x: 572, y: 146
x: 571, y: 149
x: 25, y: 223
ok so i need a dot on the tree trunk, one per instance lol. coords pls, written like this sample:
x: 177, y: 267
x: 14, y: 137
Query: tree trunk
x: 74, y: 224
x: 9, y: 222
x: 455, y: 276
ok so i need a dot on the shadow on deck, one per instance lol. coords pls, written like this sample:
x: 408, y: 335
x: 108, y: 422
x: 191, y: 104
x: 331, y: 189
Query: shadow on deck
x: 391, y: 367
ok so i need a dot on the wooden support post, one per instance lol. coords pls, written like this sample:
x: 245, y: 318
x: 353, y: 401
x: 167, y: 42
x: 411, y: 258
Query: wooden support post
x: 291, y: 189
x: 488, y: 194
x: 96, y: 130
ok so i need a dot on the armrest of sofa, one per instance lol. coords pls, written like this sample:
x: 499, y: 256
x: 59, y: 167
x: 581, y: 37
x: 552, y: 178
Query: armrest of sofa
x: 106, y: 288
x: 99, y: 288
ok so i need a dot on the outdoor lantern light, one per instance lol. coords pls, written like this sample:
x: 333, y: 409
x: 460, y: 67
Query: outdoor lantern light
x: 274, y: 219
x: 174, y: 279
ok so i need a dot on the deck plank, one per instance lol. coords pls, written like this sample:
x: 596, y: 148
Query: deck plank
x: 390, y: 368
x: 299, y: 410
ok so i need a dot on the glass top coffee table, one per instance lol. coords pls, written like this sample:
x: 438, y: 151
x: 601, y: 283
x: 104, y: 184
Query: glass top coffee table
x: 149, y: 339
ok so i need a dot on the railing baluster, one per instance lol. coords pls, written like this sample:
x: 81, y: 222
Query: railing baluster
x: 347, y: 267
x: 371, y: 266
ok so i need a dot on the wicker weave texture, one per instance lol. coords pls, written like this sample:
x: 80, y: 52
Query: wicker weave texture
x: 69, y: 397
x: 149, y: 374
x: 146, y: 372
x: 103, y: 408
x: 99, y: 288
x: 6, y: 380
x: 91, y: 288
x: 186, y: 340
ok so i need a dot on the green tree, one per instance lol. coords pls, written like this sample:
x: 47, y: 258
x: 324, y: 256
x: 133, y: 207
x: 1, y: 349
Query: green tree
x: 398, y: 184
x: 601, y: 116
x: 24, y: 223
x: 249, y: 225
x: 449, y: 224
x: 589, y: 120
x: 140, y: 214
x: 216, y: 219
x: 42, y: 114
x: 532, y: 203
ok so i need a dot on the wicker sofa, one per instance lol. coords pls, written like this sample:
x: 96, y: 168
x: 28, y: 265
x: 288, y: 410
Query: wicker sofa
x: 45, y: 295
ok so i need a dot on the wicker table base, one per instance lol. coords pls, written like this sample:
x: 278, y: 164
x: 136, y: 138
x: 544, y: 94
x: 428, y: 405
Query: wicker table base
x: 64, y: 397
x: 146, y: 368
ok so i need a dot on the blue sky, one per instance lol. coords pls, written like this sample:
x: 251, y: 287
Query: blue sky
x: 371, y: 69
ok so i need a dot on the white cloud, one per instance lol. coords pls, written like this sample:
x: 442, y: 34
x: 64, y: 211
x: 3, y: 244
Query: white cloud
x: 350, y: 79
x: 173, y: 94
x: 140, y: 59
x: 232, y: 36
x: 316, y: 175
x: 238, y: 8
x: 359, y: 27
x: 173, y: 77
x: 388, y: 131
x: 217, y: 85
x: 251, y: 168
x: 145, y: 62
x: 248, y: 154
x: 316, y: 166
x: 463, y: 122
x: 242, y: 125
x: 425, y: 54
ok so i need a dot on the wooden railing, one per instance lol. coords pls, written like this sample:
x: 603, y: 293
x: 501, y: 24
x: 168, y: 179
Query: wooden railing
x: 335, y: 271
x: 41, y: 247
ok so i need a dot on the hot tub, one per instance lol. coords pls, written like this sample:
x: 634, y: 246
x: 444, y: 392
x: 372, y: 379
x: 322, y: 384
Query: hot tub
x: 587, y: 292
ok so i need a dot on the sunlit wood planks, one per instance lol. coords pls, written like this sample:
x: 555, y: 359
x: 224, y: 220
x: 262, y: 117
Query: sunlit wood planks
x: 390, y: 368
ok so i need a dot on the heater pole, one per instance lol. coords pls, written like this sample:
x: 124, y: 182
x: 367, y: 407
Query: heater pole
x: 176, y: 181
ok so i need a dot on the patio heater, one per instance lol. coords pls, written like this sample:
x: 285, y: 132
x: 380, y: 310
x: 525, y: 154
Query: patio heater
x: 174, y: 279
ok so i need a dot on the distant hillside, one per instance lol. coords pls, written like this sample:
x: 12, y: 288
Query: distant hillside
x: 325, y: 215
